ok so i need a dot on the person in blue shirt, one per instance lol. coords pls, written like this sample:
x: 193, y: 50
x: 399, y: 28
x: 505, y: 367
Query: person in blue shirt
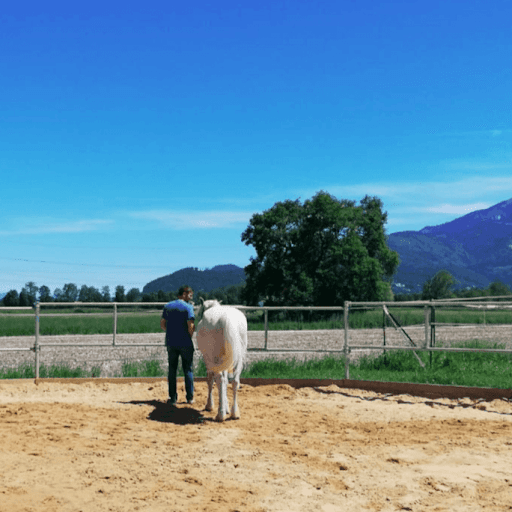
x: 178, y: 323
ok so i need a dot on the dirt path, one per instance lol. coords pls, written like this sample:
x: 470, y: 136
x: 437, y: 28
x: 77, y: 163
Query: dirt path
x: 118, y: 447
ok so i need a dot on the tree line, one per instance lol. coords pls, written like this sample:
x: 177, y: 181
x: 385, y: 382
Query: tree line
x: 30, y: 293
x: 319, y: 253
x: 440, y: 286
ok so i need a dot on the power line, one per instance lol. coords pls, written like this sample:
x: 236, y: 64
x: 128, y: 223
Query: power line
x: 84, y: 264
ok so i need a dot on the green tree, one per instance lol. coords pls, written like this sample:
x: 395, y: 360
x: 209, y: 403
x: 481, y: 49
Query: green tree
x: 95, y: 294
x: 70, y: 292
x: 232, y: 294
x: 120, y: 296
x: 89, y: 294
x: 321, y: 253
x: 133, y: 295
x: 24, y: 299
x: 59, y: 295
x: 150, y: 297
x: 31, y: 291
x: 45, y: 294
x: 11, y: 299
x: 438, y: 287
x: 105, y: 294
x: 497, y: 288
x: 84, y: 295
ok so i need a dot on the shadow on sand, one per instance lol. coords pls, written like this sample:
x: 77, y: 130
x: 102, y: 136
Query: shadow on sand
x: 167, y: 413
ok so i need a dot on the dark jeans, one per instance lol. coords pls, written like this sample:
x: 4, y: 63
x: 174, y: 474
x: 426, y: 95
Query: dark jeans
x: 187, y: 356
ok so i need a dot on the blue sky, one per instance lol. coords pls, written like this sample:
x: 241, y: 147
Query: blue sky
x: 139, y: 138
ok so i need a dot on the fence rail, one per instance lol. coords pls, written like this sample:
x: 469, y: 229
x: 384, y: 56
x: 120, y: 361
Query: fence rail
x: 429, y: 322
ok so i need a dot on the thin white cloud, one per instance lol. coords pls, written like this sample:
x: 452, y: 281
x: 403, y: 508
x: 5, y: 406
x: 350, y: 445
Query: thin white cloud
x: 491, y: 133
x: 79, y: 226
x: 194, y: 220
x: 474, y: 165
x: 462, y: 209
x: 434, y: 193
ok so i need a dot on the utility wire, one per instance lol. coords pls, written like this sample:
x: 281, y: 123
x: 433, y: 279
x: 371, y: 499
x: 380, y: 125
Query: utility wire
x: 84, y: 264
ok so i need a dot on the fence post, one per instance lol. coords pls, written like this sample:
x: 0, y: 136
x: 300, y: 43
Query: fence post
x: 36, y: 345
x: 427, y: 324
x: 114, y: 327
x: 345, y: 347
x: 384, y: 327
x: 266, y: 327
x: 432, y: 328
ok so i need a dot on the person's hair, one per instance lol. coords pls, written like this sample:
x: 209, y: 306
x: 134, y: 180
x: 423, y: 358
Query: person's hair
x: 183, y: 289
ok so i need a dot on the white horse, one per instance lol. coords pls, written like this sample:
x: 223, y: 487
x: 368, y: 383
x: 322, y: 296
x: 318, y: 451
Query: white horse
x: 222, y: 339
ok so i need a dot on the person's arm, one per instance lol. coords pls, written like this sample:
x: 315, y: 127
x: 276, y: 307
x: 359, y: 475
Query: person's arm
x: 191, y: 327
x: 163, y: 324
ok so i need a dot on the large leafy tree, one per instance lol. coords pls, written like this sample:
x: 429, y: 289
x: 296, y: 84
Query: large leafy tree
x: 497, y: 288
x: 439, y: 286
x: 31, y: 290
x: 11, y: 299
x: 89, y: 294
x: 70, y: 292
x: 24, y: 299
x: 120, y: 295
x: 45, y: 294
x: 321, y: 253
x: 133, y: 295
x: 58, y: 295
x: 105, y: 294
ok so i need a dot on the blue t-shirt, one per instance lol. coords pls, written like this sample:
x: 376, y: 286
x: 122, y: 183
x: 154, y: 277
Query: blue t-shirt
x: 177, y: 313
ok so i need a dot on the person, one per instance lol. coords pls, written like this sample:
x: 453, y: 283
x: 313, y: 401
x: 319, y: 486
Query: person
x: 178, y: 323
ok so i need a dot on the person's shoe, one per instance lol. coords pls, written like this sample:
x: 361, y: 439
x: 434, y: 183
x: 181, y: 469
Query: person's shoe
x: 191, y: 401
x: 171, y: 402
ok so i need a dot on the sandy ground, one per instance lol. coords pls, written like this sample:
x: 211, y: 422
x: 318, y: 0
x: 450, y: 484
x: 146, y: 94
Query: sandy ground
x: 119, y: 447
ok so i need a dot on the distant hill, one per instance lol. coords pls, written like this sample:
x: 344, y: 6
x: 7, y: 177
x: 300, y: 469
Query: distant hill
x: 206, y: 280
x: 476, y: 249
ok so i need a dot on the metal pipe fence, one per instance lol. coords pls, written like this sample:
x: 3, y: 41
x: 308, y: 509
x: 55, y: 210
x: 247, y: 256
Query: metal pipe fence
x: 429, y: 308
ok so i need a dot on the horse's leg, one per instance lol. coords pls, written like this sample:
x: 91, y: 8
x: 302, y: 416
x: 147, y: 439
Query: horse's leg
x: 210, y: 402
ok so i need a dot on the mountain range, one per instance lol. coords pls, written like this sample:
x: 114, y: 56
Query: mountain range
x: 476, y: 249
x: 207, y: 280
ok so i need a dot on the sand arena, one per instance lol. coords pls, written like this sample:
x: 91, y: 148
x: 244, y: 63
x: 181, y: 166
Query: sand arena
x: 102, y: 446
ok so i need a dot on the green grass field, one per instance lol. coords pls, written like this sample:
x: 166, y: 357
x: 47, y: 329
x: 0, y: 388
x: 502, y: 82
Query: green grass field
x: 456, y: 368
x: 147, y: 323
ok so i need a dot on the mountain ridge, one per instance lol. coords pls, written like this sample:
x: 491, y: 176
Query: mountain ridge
x: 475, y: 248
x: 206, y: 280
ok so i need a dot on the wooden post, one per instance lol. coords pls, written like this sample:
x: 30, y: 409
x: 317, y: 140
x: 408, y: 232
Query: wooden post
x: 266, y: 328
x: 114, y: 327
x: 36, y: 345
x: 345, y: 347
